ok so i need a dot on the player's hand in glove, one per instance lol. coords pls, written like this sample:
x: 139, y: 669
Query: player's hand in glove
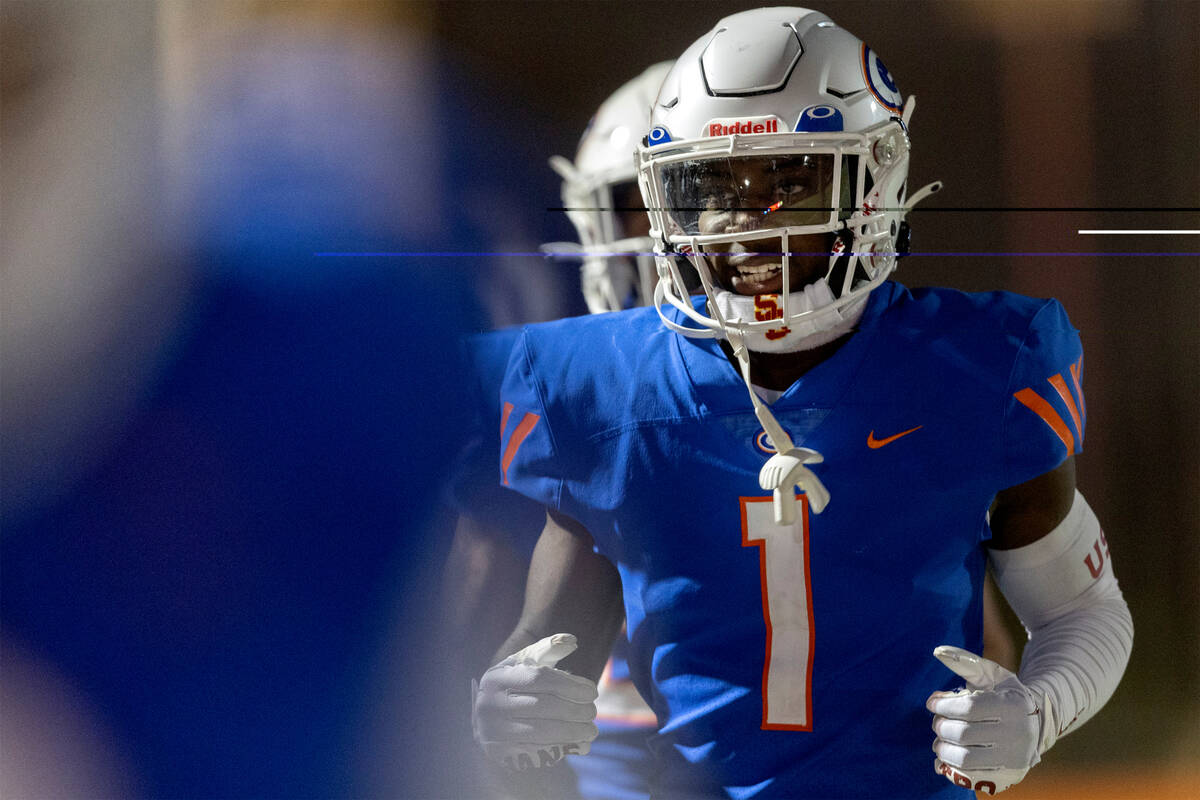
x: 988, y: 734
x: 529, y: 714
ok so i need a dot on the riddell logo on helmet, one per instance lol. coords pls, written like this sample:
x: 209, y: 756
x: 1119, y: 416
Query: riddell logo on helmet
x: 728, y: 126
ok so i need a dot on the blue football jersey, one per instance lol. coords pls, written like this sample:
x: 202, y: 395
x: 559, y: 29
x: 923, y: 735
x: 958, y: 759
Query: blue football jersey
x: 619, y: 763
x: 795, y: 661
x: 473, y: 487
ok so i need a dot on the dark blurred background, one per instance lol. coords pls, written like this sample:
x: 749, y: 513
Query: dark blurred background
x: 222, y: 452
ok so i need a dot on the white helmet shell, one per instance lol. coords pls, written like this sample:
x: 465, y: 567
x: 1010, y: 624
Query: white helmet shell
x: 618, y: 269
x: 780, y: 62
x: 606, y: 149
x: 781, y: 82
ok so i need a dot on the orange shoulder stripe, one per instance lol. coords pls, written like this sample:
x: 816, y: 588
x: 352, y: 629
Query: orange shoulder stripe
x: 1060, y: 386
x: 1077, y: 377
x: 1034, y: 402
x: 508, y: 407
x: 514, y: 443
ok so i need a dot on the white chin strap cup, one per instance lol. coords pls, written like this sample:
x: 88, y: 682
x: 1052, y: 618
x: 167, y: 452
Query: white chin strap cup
x: 784, y: 472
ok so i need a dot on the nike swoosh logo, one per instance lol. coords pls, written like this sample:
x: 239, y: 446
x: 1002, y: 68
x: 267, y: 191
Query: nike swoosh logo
x: 875, y: 444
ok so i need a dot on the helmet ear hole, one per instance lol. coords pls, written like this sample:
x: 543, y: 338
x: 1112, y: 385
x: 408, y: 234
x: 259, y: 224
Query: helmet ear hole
x: 903, y: 239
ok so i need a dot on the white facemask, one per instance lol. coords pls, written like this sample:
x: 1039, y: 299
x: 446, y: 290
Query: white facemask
x: 819, y: 329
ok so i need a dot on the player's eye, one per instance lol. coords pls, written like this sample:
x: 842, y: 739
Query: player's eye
x: 726, y: 200
x: 789, y: 192
x: 718, y: 195
x: 797, y: 184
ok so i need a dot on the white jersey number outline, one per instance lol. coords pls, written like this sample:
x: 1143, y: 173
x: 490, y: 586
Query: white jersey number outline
x: 787, y: 612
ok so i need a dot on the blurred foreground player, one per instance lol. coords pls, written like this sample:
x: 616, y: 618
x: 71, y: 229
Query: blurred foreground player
x: 497, y: 528
x: 784, y: 640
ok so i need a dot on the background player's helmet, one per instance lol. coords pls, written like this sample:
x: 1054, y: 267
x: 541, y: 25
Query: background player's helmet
x: 789, y: 90
x: 618, y: 266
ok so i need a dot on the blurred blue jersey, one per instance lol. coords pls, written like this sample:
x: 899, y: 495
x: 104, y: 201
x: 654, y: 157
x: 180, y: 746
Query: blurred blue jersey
x: 795, y: 662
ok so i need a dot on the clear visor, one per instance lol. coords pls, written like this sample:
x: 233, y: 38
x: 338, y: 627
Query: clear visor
x: 726, y: 195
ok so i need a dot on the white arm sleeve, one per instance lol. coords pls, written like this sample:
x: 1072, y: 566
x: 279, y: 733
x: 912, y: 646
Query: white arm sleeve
x: 1063, y: 589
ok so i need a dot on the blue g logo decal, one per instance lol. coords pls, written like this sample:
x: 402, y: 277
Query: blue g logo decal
x: 880, y: 82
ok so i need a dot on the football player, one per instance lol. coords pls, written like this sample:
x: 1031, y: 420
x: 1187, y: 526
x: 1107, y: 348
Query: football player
x: 602, y: 200
x: 495, y: 533
x: 792, y: 485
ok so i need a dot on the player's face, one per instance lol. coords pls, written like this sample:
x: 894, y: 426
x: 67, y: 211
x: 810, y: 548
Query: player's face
x: 742, y: 195
x: 756, y: 267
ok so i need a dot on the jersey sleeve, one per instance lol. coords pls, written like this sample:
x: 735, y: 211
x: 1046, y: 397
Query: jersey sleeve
x: 529, y: 461
x: 1044, y: 414
x: 474, y: 488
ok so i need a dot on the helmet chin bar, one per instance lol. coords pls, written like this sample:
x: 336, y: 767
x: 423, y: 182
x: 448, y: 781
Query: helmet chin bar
x: 861, y: 258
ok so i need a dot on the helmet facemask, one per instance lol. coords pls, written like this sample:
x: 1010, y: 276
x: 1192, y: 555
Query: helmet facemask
x: 741, y: 209
x: 618, y: 269
x: 600, y: 194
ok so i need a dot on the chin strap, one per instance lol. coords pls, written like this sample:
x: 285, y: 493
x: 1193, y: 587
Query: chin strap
x: 921, y: 194
x: 784, y: 471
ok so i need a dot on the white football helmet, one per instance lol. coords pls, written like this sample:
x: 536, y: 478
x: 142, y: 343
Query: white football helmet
x: 777, y: 124
x: 600, y: 193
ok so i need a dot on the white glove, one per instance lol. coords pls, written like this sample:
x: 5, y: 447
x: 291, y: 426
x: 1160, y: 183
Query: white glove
x: 528, y: 714
x: 988, y: 734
